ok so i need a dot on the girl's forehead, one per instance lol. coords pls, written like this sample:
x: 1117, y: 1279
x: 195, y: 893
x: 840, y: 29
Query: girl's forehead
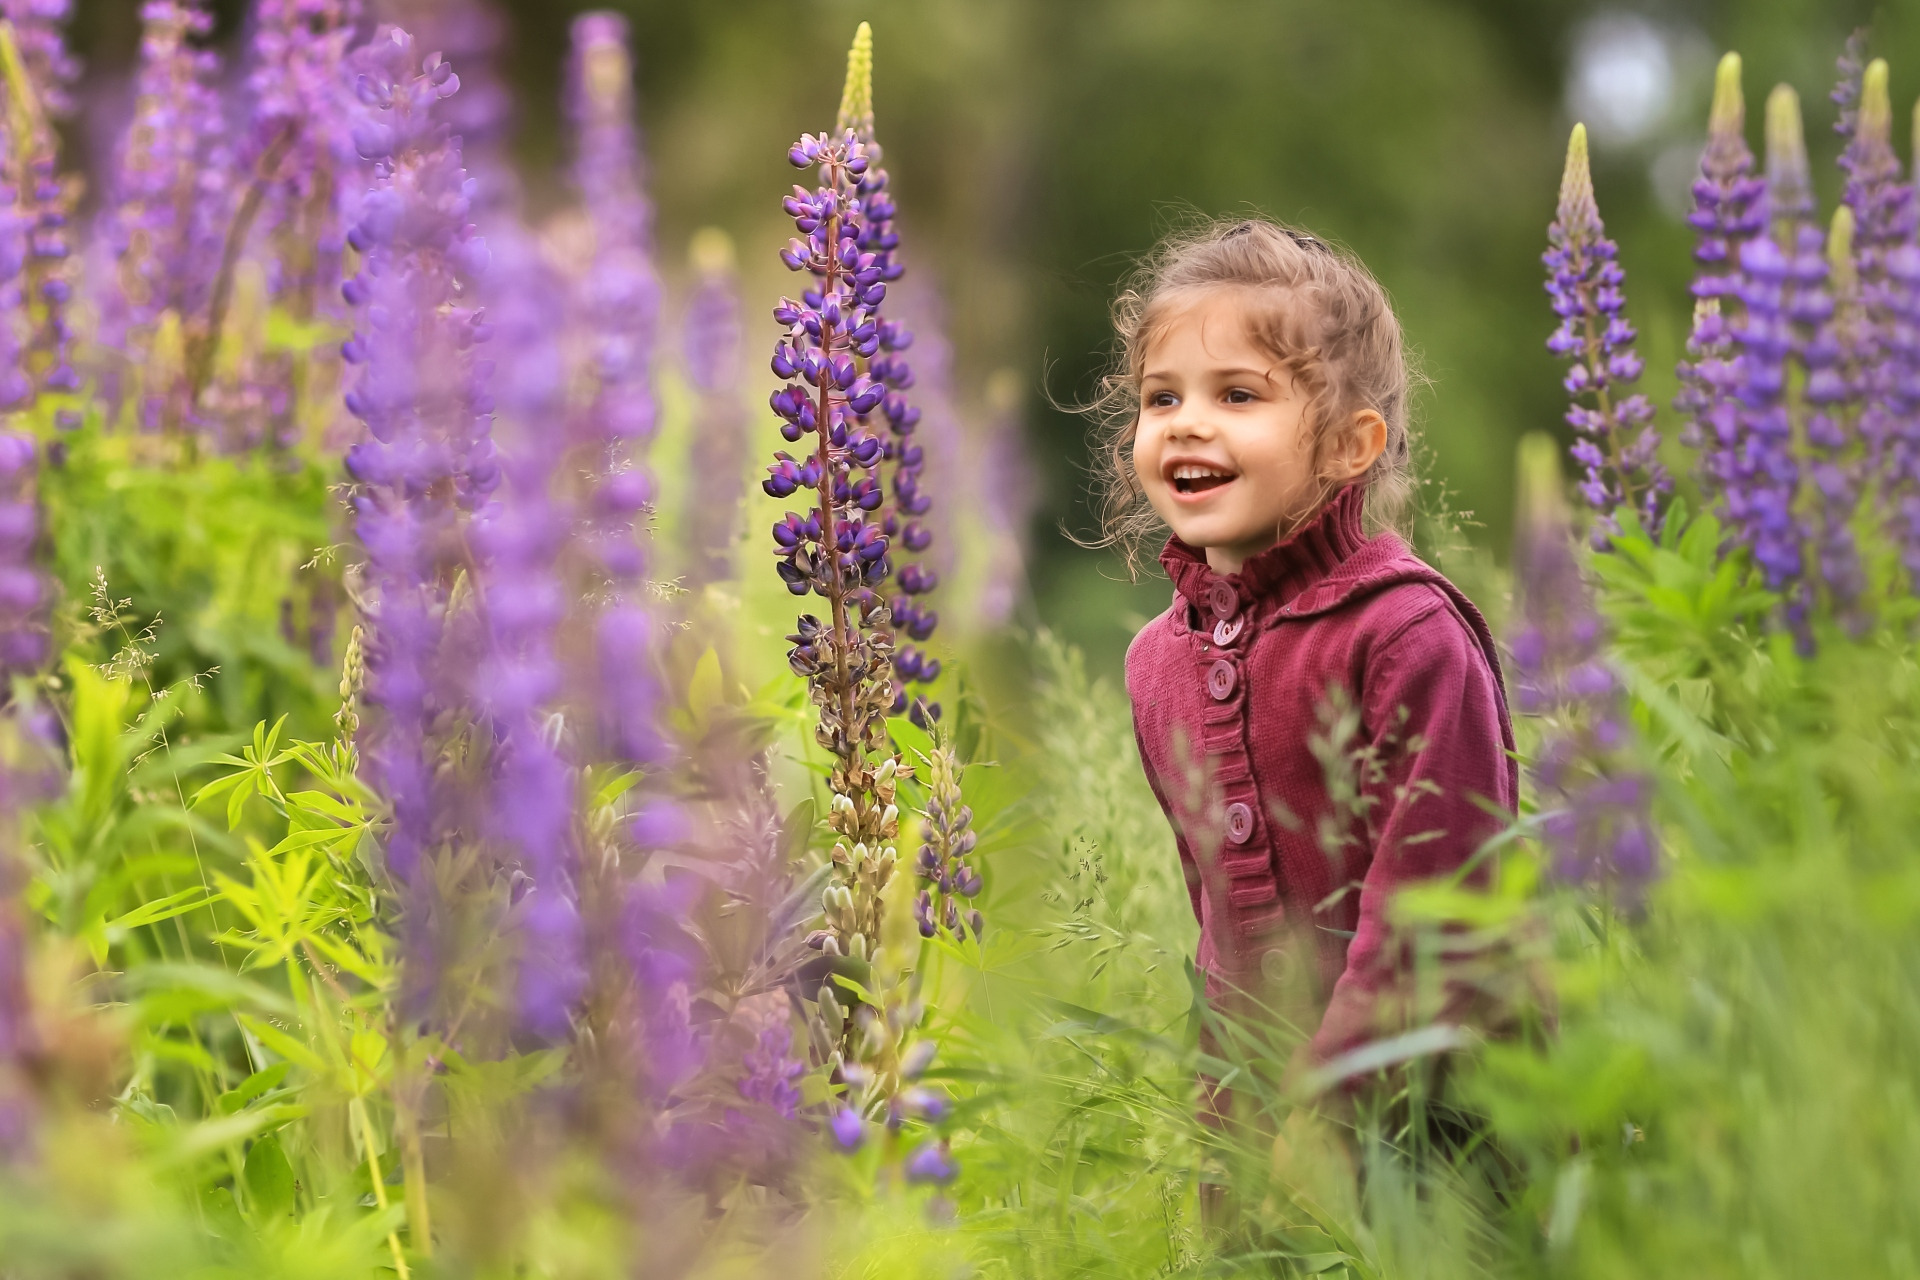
x: 1221, y: 320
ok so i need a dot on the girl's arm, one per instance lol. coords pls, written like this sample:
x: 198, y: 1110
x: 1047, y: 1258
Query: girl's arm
x: 1432, y: 715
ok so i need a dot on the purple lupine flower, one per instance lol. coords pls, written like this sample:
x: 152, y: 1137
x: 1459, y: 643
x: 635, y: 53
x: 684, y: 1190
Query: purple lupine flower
x: 711, y: 336
x: 469, y: 34
x: 932, y: 1163
x: 1835, y: 359
x: 24, y: 593
x: 427, y: 453
x: 943, y: 858
x: 36, y: 82
x: 1885, y: 215
x: 167, y: 209
x: 51, y: 69
x: 16, y: 384
x: 519, y: 539
x: 1785, y: 300
x: 617, y: 304
x: 848, y: 1129
x: 1728, y: 211
x: 905, y: 502
x: 1599, y: 829
x: 1617, y: 444
x: 771, y: 1069
x: 299, y: 152
x: 834, y: 551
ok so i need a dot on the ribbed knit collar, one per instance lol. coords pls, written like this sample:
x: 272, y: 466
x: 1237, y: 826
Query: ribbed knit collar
x: 1283, y: 571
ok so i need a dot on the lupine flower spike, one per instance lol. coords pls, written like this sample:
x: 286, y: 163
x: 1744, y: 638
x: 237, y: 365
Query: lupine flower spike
x: 35, y: 68
x: 1600, y: 832
x: 1884, y: 213
x: 618, y: 305
x: 1783, y: 287
x: 428, y: 454
x: 1617, y: 442
x: 711, y: 338
x: 944, y: 859
x: 907, y: 502
x: 167, y: 219
x: 1728, y: 211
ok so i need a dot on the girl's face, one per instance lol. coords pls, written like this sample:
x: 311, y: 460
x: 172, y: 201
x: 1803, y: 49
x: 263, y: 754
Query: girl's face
x: 1222, y: 446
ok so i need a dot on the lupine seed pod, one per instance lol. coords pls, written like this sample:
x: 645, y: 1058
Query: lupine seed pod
x: 1598, y: 831
x: 1618, y: 445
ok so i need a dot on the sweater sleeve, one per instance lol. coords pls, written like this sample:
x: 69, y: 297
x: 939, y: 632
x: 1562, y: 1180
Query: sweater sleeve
x: 1432, y: 722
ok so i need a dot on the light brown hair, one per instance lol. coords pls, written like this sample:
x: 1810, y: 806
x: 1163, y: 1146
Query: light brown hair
x: 1316, y: 308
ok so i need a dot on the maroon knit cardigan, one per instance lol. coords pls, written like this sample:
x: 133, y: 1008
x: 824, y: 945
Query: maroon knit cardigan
x: 1227, y: 688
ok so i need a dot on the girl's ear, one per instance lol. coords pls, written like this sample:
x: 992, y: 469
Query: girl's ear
x: 1356, y: 448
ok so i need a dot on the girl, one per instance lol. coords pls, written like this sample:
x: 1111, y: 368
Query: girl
x: 1319, y: 712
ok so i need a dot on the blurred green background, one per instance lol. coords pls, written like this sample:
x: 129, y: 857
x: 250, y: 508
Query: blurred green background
x: 1038, y: 148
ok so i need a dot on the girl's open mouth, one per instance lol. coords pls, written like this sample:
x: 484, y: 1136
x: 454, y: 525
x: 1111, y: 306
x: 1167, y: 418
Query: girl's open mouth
x: 1197, y: 478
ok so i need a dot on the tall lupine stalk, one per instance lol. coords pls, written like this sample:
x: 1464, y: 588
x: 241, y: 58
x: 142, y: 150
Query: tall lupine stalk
x: 834, y: 551
x: 427, y: 456
x: 711, y: 352
x: 1729, y: 209
x: 24, y: 774
x: 35, y: 68
x: 300, y: 172
x: 1838, y: 363
x: 904, y: 501
x: 16, y: 225
x: 1617, y: 444
x: 1598, y: 829
x: 168, y: 207
x: 943, y: 859
x: 519, y: 540
x: 1784, y: 291
x: 1885, y: 214
x: 617, y: 304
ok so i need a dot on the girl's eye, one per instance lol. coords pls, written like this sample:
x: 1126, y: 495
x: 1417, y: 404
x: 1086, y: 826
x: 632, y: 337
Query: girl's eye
x: 1239, y: 395
x: 1162, y: 400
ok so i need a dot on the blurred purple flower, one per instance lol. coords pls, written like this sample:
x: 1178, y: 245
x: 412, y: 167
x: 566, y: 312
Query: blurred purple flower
x: 1885, y: 346
x: 932, y: 1163
x: 711, y: 340
x: 1618, y: 444
x: 848, y: 1129
x: 428, y: 453
x: 617, y: 307
x: 943, y: 860
x: 1598, y: 828
x: 51, y: 69
x: 167, y: 209
x: 771, y: 1070
x: 16, y: 385
x: 304, y: 134
x: 519, y: 539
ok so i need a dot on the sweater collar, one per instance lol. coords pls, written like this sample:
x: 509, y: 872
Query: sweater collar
x: 1303, y: 560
